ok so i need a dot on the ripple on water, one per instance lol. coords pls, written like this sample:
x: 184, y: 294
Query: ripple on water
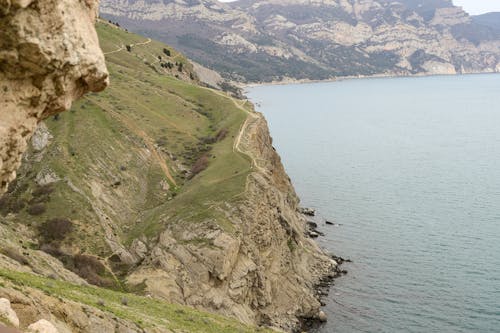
x: 416, y: 187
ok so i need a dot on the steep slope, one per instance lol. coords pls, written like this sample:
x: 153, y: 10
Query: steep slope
x: 265, y: 40
x: 160, y: 186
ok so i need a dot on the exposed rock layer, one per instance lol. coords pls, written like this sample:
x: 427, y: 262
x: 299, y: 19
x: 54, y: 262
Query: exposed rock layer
x: 49, y: 56
x: 265, y: 40
x: 262, y: 273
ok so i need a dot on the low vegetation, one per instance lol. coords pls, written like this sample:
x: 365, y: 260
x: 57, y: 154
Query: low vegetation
x: 145, y: 312
x: 154, y: 144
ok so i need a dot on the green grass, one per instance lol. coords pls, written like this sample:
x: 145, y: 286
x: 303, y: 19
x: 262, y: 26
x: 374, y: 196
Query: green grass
x: 103, y: 152
x: 144, y: 311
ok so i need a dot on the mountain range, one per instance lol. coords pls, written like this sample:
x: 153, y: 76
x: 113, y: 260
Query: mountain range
x: 275, y: 40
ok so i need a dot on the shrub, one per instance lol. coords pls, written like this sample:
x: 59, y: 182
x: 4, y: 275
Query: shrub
x: 55, y: 229
x: 91, y: 269
x: 221, y: 135
x: 11, y: 205
x: 129, y: 48
x: 43, y: 190
x: 41, y: 194
x: 167, y: 52
x: 37, y: 209
x: 200, y: 165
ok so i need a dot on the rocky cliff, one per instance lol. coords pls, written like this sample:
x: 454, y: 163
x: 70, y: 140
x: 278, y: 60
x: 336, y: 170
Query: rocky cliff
x: 264, y: 270
x: 160, y: 187
x: 266, y: 40
x: 49, y: 56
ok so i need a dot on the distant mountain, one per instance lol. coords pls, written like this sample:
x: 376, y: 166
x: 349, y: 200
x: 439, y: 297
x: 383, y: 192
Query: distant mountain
x: 265, y: 40
x: 489, y: 20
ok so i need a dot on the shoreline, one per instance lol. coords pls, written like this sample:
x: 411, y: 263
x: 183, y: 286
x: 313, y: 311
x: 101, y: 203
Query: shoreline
x: 291, y: 81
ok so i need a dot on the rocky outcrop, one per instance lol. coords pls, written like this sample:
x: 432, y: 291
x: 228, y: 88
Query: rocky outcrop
x: 263, y: 271
x: 49, y: 56
x: 42, y: 326
x: 7, y: 314
x: 38, y: 312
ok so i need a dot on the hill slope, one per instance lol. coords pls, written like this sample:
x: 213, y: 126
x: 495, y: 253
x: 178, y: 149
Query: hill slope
x: 264, y: 40
x: 159, y: 186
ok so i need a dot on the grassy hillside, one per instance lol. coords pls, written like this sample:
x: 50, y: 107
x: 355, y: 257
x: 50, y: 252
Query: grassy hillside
x: 155, y: 148
x: 126, y: 155
x: 144, y: 312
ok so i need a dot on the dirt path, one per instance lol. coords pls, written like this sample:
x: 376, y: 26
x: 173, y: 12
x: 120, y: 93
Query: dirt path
x: 115, y: 51
x: 143, y: 43
x: 122, y: 47
x: 251, y: 116
x: 144, y: 136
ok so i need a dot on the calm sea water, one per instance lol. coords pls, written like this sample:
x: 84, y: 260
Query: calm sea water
x: 410, y: 168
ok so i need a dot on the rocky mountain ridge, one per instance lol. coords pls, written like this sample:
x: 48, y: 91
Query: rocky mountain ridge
x: 267, y: 40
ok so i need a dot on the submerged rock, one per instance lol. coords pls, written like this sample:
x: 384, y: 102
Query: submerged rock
x: 307, y: 211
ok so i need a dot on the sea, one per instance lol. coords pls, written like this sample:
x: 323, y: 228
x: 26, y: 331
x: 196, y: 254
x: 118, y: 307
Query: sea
x: 408, y: 169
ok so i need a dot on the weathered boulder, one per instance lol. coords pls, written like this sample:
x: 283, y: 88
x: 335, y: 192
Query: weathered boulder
x: 7, y: 314
x: 49, y: 56
x: 42, y: 326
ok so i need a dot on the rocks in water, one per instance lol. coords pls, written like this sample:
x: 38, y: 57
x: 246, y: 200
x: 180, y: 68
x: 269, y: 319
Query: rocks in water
x: 322, y: 317
x: 312, y: 225
x: 328, y: 222
x: 7, y: 314
x: 42, y: 326
x: 313, y: 234
x: 307, y: 211
x: 312, y: 230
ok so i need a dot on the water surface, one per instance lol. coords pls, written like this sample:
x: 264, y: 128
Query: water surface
x: 410, y: 168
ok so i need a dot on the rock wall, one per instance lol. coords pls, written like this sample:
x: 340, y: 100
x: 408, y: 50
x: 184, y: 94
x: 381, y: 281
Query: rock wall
x: 49, y: 56
x: 264, y: 272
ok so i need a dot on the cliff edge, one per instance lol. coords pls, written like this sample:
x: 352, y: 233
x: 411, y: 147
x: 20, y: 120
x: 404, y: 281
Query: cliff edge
x: 164, y: 190
x: 262, y: 271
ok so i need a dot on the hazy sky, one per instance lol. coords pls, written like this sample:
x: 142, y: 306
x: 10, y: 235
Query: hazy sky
x: 479, y: 6
x: 471, y: 6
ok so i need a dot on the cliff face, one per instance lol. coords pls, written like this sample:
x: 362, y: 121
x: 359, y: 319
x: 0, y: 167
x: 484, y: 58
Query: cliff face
x: 162, y: 187
x: 265, y: 40
x: 262, y: 271
x: 49, y: 56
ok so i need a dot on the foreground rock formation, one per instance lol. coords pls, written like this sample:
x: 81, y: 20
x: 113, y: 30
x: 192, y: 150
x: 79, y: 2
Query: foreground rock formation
x: 49, y: 56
